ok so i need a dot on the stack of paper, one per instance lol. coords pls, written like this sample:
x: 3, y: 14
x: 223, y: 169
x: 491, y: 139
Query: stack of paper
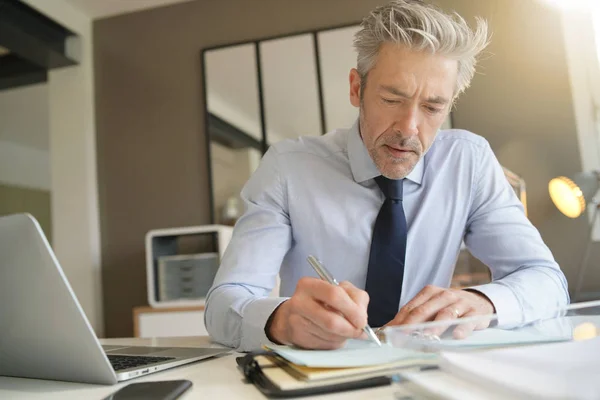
x: 357, y: 365
x: 356, y: 358
x: 568, y: 370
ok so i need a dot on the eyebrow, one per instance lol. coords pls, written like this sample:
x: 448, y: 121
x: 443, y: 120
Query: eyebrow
x: 396, y: 92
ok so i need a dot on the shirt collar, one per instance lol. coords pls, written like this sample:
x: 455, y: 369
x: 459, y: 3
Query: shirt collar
x: 362, y: 165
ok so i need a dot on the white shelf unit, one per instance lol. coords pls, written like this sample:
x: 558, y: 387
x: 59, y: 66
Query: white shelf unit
x: 162, y: 242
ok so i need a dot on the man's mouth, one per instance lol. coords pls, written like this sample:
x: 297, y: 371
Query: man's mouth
x: 399, y: 151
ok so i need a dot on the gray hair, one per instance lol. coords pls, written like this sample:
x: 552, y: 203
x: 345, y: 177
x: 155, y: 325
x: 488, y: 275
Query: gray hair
x: 421, y: 27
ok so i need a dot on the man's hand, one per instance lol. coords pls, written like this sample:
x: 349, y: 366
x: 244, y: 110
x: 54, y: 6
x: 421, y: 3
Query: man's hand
x: 440, y: 304
x: 320, y: 315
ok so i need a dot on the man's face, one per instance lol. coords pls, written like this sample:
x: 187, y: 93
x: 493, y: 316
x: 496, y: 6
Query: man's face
x: 406, y: 99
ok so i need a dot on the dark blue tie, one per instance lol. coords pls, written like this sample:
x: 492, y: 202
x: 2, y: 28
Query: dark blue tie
x: 388, y: 250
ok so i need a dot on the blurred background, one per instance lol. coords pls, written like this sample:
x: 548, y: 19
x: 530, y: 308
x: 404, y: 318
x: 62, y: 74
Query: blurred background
x: 124, y: 117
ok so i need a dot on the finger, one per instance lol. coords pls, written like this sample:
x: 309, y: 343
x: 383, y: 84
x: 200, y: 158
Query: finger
x: 302, y: 335
x: 483, y: 323
x: 450, y: 313
x: 453, y: 311
x: 337, y: 298
x: 326, y: 319
x: 462, y: 331
x: 360, y: 297
x: 322, y: 334
x: 423, y: 296
x: 325, y: 345
x: 429, y: 309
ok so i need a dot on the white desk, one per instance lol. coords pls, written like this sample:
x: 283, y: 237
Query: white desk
x: 220, y: 379
x: 212, y: 379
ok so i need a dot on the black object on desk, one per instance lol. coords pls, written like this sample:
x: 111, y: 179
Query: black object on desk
x: 254, y: 374
x: 157, y: 390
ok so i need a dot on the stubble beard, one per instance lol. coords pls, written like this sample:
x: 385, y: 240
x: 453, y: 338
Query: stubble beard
x: 389, y: 165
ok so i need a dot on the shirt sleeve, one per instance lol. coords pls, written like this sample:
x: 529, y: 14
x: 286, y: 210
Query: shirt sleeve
x: 527, y: 283
x: 238, y: 304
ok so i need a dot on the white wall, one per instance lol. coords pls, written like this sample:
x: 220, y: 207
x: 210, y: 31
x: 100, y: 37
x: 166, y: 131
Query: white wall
x: 75, y: 225
x: 24, y: 158
x: 24, y: 166
x: 232, y: 87
x: 24, y: 116
x: 338, y: 57
x: 290, y: 87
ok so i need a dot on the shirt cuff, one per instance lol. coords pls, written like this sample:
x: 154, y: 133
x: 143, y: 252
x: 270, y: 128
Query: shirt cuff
x: 508, y: 308
x: 255, y: 318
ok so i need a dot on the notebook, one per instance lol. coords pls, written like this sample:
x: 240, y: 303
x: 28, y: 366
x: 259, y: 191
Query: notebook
x: 285, y: 371
x: 273, y: 380
x: 312, y: 373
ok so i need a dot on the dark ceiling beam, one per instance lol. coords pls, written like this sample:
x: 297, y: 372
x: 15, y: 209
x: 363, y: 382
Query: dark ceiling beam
x: 15, y: 72
x: 33, y: 36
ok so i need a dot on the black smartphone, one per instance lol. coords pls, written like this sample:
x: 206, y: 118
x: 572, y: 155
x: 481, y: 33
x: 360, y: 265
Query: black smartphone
x: 158, y: 390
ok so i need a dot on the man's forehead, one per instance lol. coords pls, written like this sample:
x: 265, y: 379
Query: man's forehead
x: 397, y: 90
x: 403, y: 71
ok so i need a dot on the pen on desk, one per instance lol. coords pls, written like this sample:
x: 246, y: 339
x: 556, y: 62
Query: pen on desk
x: 326, y: 276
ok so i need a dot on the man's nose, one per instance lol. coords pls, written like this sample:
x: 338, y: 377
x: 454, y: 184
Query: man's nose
x: 407, y: 122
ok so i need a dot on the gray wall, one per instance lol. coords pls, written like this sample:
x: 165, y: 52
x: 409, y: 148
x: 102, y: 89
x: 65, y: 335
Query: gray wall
x: 16, y: 199
x: 150, y: 126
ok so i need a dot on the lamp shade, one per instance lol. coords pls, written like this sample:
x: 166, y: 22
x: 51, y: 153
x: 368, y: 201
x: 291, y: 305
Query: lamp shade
x: 571, y: 196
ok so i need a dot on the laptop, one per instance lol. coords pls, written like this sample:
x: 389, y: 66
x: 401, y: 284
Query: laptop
x: 44, y: 332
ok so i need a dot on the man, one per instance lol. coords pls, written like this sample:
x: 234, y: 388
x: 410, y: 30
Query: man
x: 385, y: 205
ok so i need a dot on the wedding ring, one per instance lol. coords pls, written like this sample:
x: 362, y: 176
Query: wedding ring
x: 456, y: 312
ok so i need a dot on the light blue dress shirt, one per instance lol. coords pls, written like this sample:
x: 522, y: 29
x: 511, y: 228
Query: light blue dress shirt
x: 317, y: 195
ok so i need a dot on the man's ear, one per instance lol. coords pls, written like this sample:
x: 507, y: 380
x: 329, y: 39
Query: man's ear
x: 354, y: 87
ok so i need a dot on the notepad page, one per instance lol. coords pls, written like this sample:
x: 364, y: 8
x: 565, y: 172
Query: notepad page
x: 356, y: 353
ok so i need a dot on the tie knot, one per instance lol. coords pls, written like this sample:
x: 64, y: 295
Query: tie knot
x: 391, y: 188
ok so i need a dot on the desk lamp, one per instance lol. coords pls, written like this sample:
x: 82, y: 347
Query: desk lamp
x: 572, y: 197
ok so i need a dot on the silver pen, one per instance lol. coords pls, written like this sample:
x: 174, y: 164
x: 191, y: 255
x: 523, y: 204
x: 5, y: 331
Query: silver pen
x: 326, y: 276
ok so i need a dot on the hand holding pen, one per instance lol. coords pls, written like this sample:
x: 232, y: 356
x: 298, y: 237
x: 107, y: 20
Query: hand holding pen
x: 319, y: 315
x: 325, y: 275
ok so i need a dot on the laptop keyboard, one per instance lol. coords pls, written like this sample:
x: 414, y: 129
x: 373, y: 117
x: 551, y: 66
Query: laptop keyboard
x: 124, y: 362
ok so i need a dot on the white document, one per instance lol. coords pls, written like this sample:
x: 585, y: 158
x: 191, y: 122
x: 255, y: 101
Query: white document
x: 501, y: 337
x: 441, y: 385
x: 356, y: 353
x: 568, y: 370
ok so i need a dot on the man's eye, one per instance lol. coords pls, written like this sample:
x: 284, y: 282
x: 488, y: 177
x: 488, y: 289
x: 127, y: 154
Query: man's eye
x: 434, y: 110
x: 389, y: 101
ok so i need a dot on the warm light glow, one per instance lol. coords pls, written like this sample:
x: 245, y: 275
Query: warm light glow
x: 585, y: 331
x: 573, y: 4
x: 567, y: 196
